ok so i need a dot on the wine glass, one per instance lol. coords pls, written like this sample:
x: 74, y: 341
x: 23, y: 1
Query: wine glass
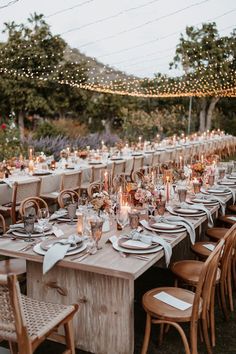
x: 122, y: 216
x: 72, y: 212
x: 29, y: 227
x: 96, y: 229
x: 43, y: 218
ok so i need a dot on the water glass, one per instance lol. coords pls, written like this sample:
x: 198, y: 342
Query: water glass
x: 161, y: 206
x: 96, y: 229
x: 221, y: 172
x: 133, y: 219
x: 29, y: 227
x: 211, y: 180
x: 122, y: 216
x: 182, y: 193
x: 72, y: 212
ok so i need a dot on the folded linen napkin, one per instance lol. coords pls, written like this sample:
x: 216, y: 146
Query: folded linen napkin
x: 178, y: 220
x: 199, y: 206
x: 213, y: 198
x: 58, y: 251
x: 149, y: 238
x: 227, y: 189
x: 58, y: 214
x: 8, y: 182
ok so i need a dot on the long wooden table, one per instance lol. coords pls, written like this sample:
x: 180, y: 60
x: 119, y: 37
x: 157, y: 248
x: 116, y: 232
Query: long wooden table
x: 102, y: 283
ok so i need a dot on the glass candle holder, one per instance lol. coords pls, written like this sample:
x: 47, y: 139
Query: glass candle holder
x: 221, y: 172
x: 211, y: 180
x: 161, y: 206
x: 80, y: 223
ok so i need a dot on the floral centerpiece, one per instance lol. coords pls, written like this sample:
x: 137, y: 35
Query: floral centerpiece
x: 101, y: 202
x: 198, y: 168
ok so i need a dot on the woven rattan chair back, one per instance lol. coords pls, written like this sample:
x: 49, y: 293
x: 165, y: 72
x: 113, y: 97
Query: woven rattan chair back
x: 138, y: 163
x: 94, y: 187
x: 2, y: 224
x: 22, y: 191
x: 26, y: 322
x: 67, y: 196
x: 11, y: 314
x: 32, y: 202
x: 137, y: 177
x: 71, y: 180
x: 117, y: 168
x: 96, y: 173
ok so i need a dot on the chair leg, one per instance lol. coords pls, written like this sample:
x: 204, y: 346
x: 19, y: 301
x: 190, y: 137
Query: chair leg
x: 13, y: 347
x: 206, y: 336
x: 230, y: 293
x: 147, y: 334
x: 223, y: 300
x: 161, y: 335
x: 212, y: 318
x: 69, y: 336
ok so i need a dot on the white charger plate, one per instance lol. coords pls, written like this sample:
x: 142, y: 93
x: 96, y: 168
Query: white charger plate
x: 143, y: 251
x: 164, y: 231
x: 37, y: 249
x: 204, y: 201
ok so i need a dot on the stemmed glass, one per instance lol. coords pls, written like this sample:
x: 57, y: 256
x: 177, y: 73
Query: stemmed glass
x: 72, y: 212
x: 96, y: 229
x: 122, y: 216
x: 43, y: 218
x: 29, y: 227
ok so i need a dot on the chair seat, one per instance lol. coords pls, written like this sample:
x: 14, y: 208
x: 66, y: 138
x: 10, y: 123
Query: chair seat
x: 216, y: 233
x: 189, y: 271
x: 200, y: 250
x: 160, y: 310
x: 227, y: 219
x: 13, y: 266
x: 232, y: 208
x: 40, y: 318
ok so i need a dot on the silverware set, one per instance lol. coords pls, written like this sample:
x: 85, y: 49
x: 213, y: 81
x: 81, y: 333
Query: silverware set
x: 132, y: 255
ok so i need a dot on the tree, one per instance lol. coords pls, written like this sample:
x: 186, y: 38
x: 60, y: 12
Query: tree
x: 35, y: 75
x: 208, y: 61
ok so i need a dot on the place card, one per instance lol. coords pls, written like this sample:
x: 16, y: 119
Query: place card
x: 232, y: 218
x: 134, y: 243
x: 57, y: 232
x: 209, y: 247
x: 172, y: 301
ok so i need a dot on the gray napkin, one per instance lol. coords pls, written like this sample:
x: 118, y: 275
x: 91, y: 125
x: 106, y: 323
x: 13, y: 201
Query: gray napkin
x: 149, y: 238
x: 58, y: 214
x: 58, y: 251
x: 227, y: 189
x: 213, y: 198
x: 199, y: 206
x: 178, y: 220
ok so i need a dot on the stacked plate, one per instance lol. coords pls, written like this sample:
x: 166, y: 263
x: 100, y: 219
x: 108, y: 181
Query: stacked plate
x: 218, y: 191
x: 20, y: 232
x: 165, y: 227
x: 43, y: 247
x: 188, y: 212
x: 41, y: 173
x: 203, y: 201
x: 227, y: 183
x: 126, y: 245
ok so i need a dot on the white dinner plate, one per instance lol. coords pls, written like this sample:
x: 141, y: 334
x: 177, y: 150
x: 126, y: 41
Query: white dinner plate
x: 163, y: 226
x: 187, y: 211
x: 204, y: 201
x: 177, y: 229
x: 141, y: 251
x: 227, y: 183
x: 37, y: 249
x: 218, y: 191
x: 231, y: 177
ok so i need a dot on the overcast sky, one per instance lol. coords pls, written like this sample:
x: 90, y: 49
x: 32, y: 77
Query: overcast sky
x: 141, y: 48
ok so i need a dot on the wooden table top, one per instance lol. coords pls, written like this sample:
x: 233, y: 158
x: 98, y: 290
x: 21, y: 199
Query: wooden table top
x: 106, y: 261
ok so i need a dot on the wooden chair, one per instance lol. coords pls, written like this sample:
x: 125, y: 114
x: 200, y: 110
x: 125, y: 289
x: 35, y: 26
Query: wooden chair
x: 3, y: 224
x: 11, y: 266
x: 67, y: 195
x: 160, y: 313
x: 94, y: 187
x: 117, y: 168
x: 232, y: 208
x: 32, y: 202
x: 20, y: 192
x: 226, y: 219
x: 96, y: 173
x: 25, y: 323
x: 216, y: 233
x: 188, y: 272
x: 71, y: 180
x: 137, y: 176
